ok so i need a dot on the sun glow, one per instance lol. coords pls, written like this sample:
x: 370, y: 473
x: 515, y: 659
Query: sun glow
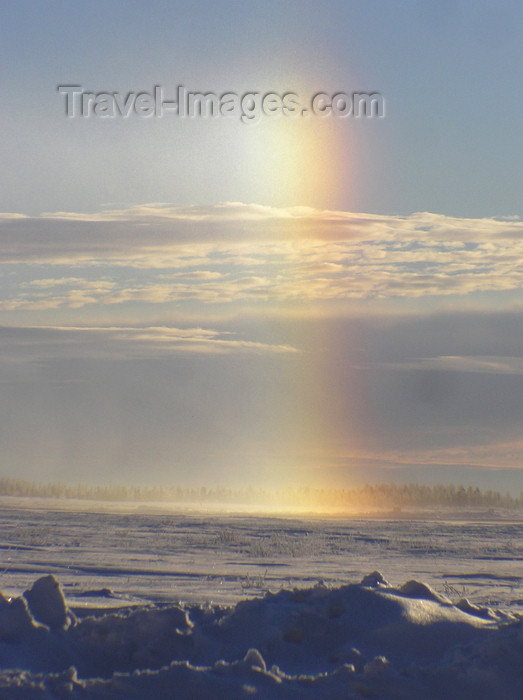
x: 299, y: 162
x: 296, y: 161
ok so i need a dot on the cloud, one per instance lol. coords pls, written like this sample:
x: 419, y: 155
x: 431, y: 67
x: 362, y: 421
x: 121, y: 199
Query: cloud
x: 51, y: 293
x: 231, y: 252
x: 43, y: 343
x: 127, y: 233
x: 6, y: 216
x: 457, y: 363
x: 418, y: 390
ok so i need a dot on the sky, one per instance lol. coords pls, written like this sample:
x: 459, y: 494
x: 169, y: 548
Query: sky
x: 309, y: 300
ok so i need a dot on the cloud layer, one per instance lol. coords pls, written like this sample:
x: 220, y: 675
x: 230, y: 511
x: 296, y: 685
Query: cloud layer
x: 159, y: 254
x: 261, y: 340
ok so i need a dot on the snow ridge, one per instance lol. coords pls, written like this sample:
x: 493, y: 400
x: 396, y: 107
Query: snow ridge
x: 358, y: 640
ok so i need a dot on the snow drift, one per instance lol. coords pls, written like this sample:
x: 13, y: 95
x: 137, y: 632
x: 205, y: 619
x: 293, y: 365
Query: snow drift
x: 359, y: 640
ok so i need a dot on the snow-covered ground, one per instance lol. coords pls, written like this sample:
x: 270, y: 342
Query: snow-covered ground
x: 119, y: 602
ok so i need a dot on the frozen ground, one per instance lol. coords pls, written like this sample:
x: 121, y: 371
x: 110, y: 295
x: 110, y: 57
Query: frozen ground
x: 169, y: 605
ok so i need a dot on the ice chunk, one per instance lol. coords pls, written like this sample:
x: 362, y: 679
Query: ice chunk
x: 377, y: 666
x: 47, y: 603
x: 15, y: 619
x: 374, y: 580
x: 254, y: 659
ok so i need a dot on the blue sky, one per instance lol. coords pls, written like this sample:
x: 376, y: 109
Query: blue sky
x: 449, y: 71
x: 317, y: 301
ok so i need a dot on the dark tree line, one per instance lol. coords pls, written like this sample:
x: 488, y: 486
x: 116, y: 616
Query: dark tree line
x: 385, y: 495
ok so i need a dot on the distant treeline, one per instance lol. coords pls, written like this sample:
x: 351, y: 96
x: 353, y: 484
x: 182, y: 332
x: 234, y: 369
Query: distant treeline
x: 384, y: 495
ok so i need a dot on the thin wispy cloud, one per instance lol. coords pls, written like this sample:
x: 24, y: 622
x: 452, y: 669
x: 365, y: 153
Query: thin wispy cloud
x: 54, y: 342
x: 462, y: 363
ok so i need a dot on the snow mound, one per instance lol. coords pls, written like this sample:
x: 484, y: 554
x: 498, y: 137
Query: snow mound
x: 415, y: 589
x: 359, y: 640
